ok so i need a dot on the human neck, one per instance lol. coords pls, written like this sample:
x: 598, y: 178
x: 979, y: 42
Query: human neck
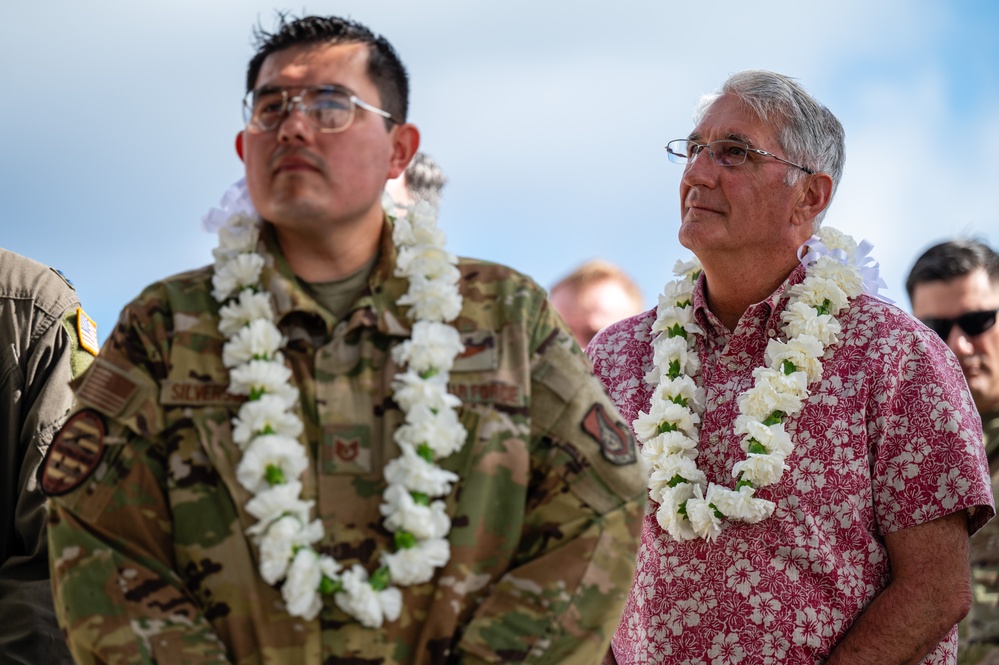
x: 731, y: 291
x: 329, y: 255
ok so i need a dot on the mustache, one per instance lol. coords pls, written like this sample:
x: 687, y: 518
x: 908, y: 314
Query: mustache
x: 290, y: 153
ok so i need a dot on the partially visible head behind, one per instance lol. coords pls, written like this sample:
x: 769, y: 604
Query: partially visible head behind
x: 593, y: 296
x: 385, y: 69
x: 950, y: 260
x: 423, y: 180
x: 954, y: 289
x: 808, y: 132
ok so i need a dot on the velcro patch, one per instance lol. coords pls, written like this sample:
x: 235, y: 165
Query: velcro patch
x: 616, y: 441
x: 480, y: 354
x: 86, y: 331
x: 106, y: 387
x: 74, y: 454
x: 195, y: 393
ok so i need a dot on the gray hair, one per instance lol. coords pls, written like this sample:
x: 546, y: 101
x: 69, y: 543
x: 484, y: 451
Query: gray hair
x: 425, y: 179
x: 808, y: 132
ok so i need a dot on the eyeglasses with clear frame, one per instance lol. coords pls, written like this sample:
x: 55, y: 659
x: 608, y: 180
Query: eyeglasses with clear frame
x: 330, y: 107
x: 726, y: 152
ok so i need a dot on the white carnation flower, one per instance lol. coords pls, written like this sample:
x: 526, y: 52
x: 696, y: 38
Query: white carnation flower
x: 440, y: 430
x: 837, y: 240
x: 358, y: 599
x: 846, y: 277
x: 670, y: 317
x: 686, y: 268
x: 266, y: 414
x: 278, y: 544
x: 301, y: 586
x: 267, y: 377
x: 677, y: 293
x: 768, y: 394
x: 804, y: 352
x: 815, y: 291
x: 432, y: 346
x: 410, y: 389
x: 416, y: 565
x: 278, y: 501
x: 667, y: 515
x: 739, y: 505
x: 774, y: 437
x: 802, y: 319
x: 418, y: 475
x: 260, y: 340
x: 703, y: 518
x: 267, y: 451
x: 426, y: 261
x: 669, y: 443
x: 669, y: 466
x: 663, y: 412
x: 236, y: 273
x: 683, y: 387
x: 432, y: 300
x: 239, y: 313
x: 401, y: 512
x: 761, y: 470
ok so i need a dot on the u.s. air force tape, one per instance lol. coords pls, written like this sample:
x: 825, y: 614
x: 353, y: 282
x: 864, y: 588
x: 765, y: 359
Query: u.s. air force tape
x: 74, y: 454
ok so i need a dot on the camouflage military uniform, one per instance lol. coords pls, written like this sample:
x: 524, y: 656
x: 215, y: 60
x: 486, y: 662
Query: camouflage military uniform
x: 980, y: 629
x: 39, y: 352
x: 150, y: 560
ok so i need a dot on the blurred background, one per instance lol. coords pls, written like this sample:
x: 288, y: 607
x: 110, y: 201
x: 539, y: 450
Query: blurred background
x: 118, y: 119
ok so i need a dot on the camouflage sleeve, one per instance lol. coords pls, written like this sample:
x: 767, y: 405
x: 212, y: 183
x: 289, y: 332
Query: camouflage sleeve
x: 561, y: 600
x: 118, y: 595
x: 30, y: 632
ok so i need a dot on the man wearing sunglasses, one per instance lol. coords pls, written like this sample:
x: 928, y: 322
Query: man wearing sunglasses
x: 814, y: 469
x: 954, y: 290
x: 340, y: 443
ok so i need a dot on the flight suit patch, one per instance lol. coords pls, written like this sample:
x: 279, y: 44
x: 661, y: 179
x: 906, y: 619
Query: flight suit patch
x: 197, y: 393
x: 616, y: 441
x: 480, y: 354
x: 74, y: 453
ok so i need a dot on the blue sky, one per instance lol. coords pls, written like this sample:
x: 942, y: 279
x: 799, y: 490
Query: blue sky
x: 550, y: 118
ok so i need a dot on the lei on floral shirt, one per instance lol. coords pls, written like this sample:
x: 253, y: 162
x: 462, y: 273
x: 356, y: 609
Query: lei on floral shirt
x: 888, y: 438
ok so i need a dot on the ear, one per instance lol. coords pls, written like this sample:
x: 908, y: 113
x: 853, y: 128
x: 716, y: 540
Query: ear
x: 239, y: 146
x: 815, y: 198
x: 405, y: 143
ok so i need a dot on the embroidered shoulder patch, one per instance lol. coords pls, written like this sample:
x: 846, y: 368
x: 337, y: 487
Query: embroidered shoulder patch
x: 86, y: 330
x: 74, y: 454
x: 616, y: 441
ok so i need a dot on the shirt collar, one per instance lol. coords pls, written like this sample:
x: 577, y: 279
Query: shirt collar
x: 376, y: 306
x: 766, y: 311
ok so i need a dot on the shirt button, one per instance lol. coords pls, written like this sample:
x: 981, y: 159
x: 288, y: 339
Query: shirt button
x: 771, y: 333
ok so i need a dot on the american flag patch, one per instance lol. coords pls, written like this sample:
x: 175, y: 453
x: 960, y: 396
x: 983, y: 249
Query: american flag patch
x: 86, y: 330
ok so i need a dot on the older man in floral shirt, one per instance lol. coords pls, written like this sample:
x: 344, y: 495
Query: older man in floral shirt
x: 814, y: 453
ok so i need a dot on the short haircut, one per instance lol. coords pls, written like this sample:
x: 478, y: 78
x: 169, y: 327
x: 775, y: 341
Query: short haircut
x: 425, y: 179
x: 385, y: 69
x: 596, y: 271
x: 808, y: 132
x: 950, y: 260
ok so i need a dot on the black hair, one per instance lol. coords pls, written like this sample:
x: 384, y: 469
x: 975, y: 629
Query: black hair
x: 950, y: 260
x: 384, y: 66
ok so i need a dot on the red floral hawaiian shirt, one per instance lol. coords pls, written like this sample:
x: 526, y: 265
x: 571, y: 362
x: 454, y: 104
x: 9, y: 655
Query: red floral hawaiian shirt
x: 888, y: 439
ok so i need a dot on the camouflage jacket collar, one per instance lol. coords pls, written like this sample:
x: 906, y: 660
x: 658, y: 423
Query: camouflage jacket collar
x: 376, y: 306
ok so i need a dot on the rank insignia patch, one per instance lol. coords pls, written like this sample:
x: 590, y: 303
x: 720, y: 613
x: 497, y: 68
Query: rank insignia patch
x: 74, y: 454
x: 614, y: 437
x: 86, y: 330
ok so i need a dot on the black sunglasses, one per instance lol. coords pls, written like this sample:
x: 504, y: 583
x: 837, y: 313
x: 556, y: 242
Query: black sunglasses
x: 972, y: 323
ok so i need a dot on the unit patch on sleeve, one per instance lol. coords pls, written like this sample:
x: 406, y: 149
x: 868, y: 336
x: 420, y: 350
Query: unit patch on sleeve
x: 616, y: 441
x: 74, y: 453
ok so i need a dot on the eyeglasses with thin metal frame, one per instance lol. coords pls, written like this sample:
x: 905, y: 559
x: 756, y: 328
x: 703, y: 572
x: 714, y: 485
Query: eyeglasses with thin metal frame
x: 972, y: 323
x: 726, y: 152
x: 330, y: 107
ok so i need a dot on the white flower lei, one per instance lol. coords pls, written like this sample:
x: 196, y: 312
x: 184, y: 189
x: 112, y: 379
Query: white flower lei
x: 837, y: 270
x: 267, y: 429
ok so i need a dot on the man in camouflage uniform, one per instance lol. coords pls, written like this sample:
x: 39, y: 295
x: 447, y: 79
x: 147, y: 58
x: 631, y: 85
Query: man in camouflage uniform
x: 149, y: 553
x: 954, y: 289
x: 40, y: 351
